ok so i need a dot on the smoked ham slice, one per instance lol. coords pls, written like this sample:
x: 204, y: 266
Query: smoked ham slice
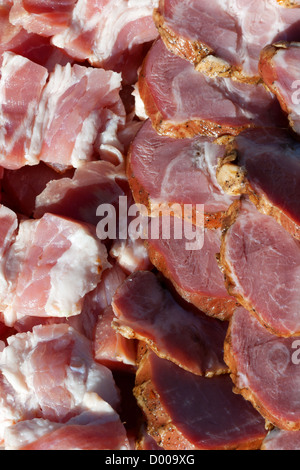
x: 51, y: 265
x: 50, y: 373
x: 279, y: 68
x: 225, y: 37
x: 183, y: 171
x: 264, y: 369
x: 188, y: 412
x: 265, y: 164
x: 182, y: 102
x: 195, y: 273
x: 147, y: 311
x: 261, y: 263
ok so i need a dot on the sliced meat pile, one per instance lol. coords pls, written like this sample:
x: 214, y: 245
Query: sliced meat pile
x: 182, y: 102
x: 149, y: 225
x: 225, y: 37
x: 212, y: 417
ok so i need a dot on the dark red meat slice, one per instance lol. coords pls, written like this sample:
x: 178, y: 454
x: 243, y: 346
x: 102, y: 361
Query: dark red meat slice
x: 261, y: 263
x: 183, y: 171
x: 147, y: 311
x: 189, y: 412
x: 264, y: 369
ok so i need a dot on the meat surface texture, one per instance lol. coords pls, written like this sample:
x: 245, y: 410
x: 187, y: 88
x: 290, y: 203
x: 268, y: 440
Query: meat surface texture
x: 19, y: 100
x: 265, y: 164
x: 194, y: 273
x: 265, y: 369
x: 279, y: 439
x: 50, y: 267
x: 182, y: 102
x: 189, y: 412
x: 147, y: 311
x: 45, y: 18
x: 183, y: 171
x: 225, y: 37
x: 50, y: 373
x: 279, y: 68
x: 261, y: 263
x: 102, y: 30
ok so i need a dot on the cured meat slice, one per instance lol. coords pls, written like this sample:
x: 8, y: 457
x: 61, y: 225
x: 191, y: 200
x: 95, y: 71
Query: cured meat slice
x: 279, y: 439
x: 279, y: 68
x: 50, y: 373
x: 74, y: 106
x: 264, y: 369
x: 188, y: 412
x: 289, y: 3
x: 147, y: 311
x: 225, y: 37
x: 97, y: 428
x: 19, y: 100
x: 265, y: 164
x: 102, y: 30
x: 182, y: 102
x: 261, y: 263
x: 183, y: 171
x: 45, y: 18
x: 194, y: 273
x: 93, y: 184
x: 50, y: 267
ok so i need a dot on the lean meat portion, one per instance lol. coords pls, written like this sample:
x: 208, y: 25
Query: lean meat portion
x: 45, y: 18
x: 192, y: 267
x: 279, y: 439
x: 182, y: 102
x: 102, y: 31
x: 19, y: 101
x: 183, y: 171
x: 189, y: 412
x: 51, y: 265
x: 265, y: 369
x: 76, y: 102
x: 147, y: 311
x: 261, y: 264
x: 279, y: 68
x: 265, y: 164
x: 50, y: 373
x: 225, y: 37
x: 8, y: 232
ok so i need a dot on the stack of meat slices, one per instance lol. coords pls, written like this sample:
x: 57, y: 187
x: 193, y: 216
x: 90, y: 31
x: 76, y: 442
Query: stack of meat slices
x: 186, y: 336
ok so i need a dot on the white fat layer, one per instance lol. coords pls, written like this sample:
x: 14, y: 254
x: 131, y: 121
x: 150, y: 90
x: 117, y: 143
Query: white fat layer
x: 140, y: 110
x: 76, y: 272
x: 112, y: 17
x: 11, y: 63
x: 83, y: 147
